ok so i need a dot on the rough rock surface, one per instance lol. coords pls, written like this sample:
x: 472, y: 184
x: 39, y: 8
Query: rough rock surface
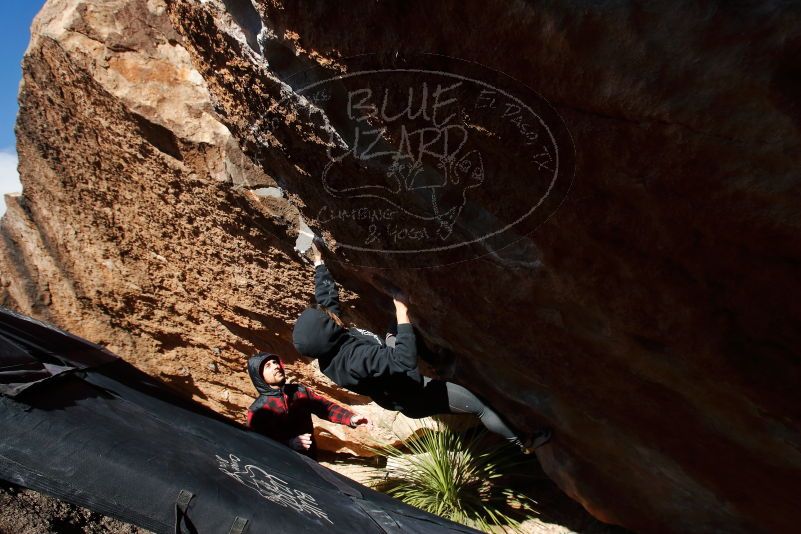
x: 653, y: 321
x: 142, y: 225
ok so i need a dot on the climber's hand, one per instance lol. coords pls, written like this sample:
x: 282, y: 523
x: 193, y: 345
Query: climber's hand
x: 357, y: 420
x: 300, y: 443
x: 315, y: 251
x: 401, y: 311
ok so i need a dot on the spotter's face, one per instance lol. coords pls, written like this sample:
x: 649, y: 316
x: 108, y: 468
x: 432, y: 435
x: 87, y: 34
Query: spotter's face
x: 273, y: 373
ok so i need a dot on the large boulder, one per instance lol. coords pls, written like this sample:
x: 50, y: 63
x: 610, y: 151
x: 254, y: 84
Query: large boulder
x: 169, y: 147
x: 653, y: 320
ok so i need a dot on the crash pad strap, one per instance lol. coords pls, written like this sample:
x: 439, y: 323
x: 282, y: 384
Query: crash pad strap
x: 181, y: 505
x: 239, y: 526
x: 382, y: 519
x: 331, y: 478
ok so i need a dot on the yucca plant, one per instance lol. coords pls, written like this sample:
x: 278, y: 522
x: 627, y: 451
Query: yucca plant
x: 459, y: 478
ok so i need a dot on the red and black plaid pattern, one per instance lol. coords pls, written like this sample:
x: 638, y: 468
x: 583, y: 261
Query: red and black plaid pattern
x: 328, y: 409
x: 287, y: 413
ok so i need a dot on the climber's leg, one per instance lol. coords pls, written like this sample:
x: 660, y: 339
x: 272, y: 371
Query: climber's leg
x: 439, y: 397
x: 462, y: 400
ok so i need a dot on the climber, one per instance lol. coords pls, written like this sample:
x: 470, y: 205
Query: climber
x: 283, y: 411
x: 386, y: 370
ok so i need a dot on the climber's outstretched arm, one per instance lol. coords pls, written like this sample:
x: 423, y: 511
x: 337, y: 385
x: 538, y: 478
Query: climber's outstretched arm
x: 401, y: 312
x: 404, y: 354
x: 325, y: 289
x: 372, y: 360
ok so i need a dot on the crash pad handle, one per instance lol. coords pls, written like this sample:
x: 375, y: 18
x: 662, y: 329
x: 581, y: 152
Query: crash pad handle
x: 239, y: 526
x: 181, y: 505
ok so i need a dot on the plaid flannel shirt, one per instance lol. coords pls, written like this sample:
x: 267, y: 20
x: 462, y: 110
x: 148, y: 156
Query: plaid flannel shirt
x: 287, y: 412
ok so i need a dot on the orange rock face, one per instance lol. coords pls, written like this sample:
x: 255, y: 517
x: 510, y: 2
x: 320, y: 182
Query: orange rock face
x: 142, y: 225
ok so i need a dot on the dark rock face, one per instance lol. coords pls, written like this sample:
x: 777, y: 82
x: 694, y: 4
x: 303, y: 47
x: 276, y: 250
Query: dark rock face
x: 654, y: 320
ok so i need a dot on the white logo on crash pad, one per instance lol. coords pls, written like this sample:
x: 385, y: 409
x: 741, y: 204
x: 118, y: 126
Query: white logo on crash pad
x: 271, y: 487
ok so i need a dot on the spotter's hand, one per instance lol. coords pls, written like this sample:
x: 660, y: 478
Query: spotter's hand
x: 300, y: 443
x: 316, y: 255
x: 357, y: 420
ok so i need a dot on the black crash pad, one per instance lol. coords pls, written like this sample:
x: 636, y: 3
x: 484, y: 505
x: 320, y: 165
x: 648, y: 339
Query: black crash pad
x: 101, y: 434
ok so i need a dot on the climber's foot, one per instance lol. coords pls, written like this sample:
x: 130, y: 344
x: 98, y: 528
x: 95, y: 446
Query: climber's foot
x: 536, y: 440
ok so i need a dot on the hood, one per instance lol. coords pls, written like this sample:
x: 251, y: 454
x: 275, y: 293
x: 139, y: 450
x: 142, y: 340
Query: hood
x: 254, y: 370
x: 317, y: 335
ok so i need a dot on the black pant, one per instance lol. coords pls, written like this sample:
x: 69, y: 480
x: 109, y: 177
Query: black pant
x: 439, y: 397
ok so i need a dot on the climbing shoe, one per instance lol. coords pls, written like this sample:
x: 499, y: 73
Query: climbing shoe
x: 536, y: 440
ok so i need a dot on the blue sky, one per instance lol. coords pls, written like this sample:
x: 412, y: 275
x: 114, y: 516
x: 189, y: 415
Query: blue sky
x: 15, y: 26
